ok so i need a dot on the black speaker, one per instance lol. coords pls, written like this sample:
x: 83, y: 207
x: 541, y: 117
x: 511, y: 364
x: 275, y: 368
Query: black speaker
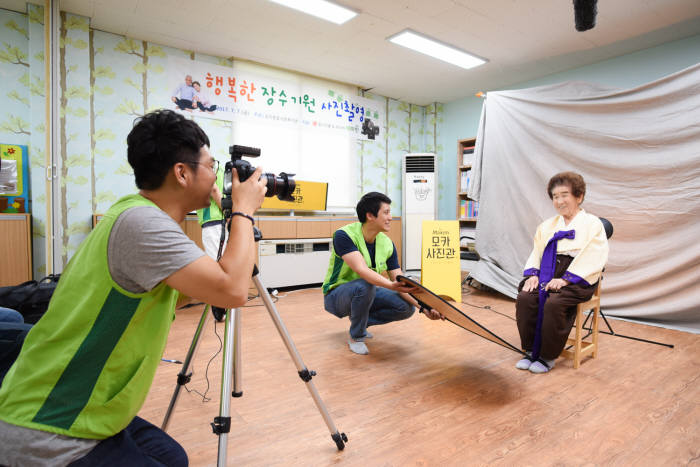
x: 584, y: 14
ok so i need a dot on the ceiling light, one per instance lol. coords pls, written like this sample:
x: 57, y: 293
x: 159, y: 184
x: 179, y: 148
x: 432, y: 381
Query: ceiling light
x: 422, y: 44
x: 320, y: 8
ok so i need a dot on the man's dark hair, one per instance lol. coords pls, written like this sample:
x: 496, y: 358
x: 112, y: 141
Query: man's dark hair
x: 158, y: 141
x: 370, y: 203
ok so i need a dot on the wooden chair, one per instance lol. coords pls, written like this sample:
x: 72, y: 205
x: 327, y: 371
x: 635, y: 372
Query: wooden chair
x: 577, y: 347
x: 580, y: 346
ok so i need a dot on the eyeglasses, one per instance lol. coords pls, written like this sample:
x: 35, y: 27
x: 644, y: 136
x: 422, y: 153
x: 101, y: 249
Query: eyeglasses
x: 214, y: 167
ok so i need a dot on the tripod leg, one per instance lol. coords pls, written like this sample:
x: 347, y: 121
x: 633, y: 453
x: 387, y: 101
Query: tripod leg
x: 183, y: 377
x: 613, y: 333
x: 222, y: 423
x: 339, y: 438
x: 237, y: 379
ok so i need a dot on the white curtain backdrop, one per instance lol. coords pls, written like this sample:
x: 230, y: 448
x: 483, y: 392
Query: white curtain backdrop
x: 639, y: 152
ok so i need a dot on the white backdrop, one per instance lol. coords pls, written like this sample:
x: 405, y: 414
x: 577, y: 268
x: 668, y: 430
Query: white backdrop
x: 639, y: 152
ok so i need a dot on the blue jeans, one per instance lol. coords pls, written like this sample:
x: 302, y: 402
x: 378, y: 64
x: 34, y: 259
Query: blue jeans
x: 139, y: 444
x: 8, y: 315
x: 366, y: 305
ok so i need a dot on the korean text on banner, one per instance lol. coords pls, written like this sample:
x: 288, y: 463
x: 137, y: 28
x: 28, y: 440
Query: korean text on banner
x: 440, y: 267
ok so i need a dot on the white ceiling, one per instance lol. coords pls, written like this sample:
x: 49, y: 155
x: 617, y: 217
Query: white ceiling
x: 522, y: 39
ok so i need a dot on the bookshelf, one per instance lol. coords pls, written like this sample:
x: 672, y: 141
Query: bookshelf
x: 467, y: 209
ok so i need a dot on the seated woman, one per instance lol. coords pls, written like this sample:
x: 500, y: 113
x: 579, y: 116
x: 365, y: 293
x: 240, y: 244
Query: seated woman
x: 570, y: 251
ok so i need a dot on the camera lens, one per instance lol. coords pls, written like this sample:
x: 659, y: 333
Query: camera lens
x: 281, y: 186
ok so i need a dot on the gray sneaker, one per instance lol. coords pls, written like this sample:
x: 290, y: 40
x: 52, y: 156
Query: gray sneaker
x: 358, y: 347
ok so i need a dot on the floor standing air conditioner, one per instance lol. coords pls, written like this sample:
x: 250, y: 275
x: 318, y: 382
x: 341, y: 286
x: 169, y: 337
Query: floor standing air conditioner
x: 420, y: 182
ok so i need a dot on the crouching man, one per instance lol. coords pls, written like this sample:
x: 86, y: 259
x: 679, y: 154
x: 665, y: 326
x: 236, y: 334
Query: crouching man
x: 354, y: 285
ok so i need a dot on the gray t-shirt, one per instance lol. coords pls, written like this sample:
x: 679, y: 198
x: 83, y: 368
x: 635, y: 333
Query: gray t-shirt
x: 145, y: 247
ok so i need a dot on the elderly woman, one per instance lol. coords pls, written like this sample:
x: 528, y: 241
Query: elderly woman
x: 569, y: 253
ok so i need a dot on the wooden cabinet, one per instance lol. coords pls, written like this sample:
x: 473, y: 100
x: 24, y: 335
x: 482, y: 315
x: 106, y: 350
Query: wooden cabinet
x: 277, y: 227
x: 313, y: 228
x: 15, y: 249
x: 193, y: 230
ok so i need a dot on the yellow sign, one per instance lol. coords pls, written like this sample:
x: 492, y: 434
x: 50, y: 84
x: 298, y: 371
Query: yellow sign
x: 308, y: 196
x: 440, y: 267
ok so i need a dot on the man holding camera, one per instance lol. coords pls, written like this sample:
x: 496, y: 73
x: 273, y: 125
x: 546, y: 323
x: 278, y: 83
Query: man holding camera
x: 86, y: 367
x: 354, y: 285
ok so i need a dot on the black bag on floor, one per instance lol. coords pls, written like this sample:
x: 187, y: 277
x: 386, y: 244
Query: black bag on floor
x: 30, y: 298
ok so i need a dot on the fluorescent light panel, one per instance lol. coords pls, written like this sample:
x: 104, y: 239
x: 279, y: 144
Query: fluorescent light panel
x: 320, y: 8
x: 435, y: 49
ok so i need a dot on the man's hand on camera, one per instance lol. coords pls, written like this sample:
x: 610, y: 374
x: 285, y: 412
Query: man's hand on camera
x: 248, y: 196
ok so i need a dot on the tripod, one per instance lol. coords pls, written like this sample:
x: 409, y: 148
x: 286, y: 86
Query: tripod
x: 611, y: 332
x: 231, y: 365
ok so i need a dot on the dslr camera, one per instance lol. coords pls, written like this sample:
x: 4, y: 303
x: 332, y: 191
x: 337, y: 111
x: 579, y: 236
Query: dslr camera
x: 281, y: 185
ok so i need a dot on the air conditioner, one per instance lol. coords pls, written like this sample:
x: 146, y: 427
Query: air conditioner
x: 288, y: 263
x: 420, y: 183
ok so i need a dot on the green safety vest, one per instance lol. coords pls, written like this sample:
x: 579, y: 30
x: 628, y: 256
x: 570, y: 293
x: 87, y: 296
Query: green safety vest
x: 86, y: 367
x: 212, y: 212
x: 340, y: 273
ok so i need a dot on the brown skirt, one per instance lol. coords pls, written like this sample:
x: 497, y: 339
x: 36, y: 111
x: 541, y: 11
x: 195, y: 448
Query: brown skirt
x: 559, y: 313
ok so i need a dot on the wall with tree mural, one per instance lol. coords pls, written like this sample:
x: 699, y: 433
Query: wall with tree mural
x: 106, y: 81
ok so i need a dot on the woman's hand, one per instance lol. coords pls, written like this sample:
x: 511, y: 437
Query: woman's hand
x: 531, y: 284
x: 556, y: 284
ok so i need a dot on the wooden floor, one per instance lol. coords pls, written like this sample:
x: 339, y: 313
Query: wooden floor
x: 430, y: 393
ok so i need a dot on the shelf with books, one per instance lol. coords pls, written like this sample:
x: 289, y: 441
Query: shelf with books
x: 467, y: 209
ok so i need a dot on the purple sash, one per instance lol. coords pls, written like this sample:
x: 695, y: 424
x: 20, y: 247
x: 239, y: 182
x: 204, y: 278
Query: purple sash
x: 547, y: 267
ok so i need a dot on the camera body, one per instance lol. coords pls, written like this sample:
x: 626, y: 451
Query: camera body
x: 281, y: 185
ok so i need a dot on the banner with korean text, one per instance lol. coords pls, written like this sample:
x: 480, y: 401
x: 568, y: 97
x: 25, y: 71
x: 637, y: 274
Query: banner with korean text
x: 440, y: 267
x: 225, y: 93
x: 303, y: 125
